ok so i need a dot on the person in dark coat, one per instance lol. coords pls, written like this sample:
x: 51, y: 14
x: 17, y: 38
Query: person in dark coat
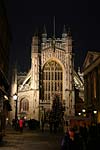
x: 93, y: 141
x: 71, y: 141
x: 84, y: 133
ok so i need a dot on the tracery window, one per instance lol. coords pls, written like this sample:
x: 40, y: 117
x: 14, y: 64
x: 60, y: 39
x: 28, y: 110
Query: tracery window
x: 24, y: 105
x: 52, y: 80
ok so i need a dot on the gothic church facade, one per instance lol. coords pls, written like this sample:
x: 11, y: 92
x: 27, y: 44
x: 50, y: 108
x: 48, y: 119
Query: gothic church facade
x: 51, y: 73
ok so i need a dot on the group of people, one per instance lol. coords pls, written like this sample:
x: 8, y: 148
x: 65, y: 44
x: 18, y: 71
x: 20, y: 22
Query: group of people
x: 81, y: 138
x: 84, y: 139
x: 18, y: 124
x: 52, y: 125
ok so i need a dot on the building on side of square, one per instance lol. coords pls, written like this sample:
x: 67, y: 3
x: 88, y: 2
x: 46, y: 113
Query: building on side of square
x: 91, y: 73
x: 5, y: 41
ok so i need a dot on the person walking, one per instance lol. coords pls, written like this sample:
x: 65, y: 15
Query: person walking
x: 83, y: 130
x: 21, y: 125
x: 93, y: 141
x: 72, y: 141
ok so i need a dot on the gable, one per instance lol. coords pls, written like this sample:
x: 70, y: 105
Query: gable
x: 90, y: 58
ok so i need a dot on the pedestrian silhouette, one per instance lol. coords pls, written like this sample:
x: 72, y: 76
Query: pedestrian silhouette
x: 21, y: 125
x: 71, y: 141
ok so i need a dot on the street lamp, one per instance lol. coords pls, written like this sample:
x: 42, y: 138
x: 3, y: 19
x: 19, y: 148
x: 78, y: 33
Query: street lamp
x: 95, y: 111
x: 84, y: 112
x: 95, y: 116
x: 15, y: 99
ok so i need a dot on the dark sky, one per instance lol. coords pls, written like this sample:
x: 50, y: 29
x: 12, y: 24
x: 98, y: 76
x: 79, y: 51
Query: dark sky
x: 24, y: 16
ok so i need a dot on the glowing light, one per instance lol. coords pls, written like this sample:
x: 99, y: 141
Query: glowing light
x: 15, y: 97
x: 79, y: 113
x: 95, y: 111
x: 83, y: 110
x: 5, y: 97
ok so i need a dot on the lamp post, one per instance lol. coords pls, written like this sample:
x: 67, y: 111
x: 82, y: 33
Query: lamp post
x: 15, y: 99
x: 84, y: 112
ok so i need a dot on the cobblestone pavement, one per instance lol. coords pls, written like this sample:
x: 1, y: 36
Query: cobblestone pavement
x: 31, y: 140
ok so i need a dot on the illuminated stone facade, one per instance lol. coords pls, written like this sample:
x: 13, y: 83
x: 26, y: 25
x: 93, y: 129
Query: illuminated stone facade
x: 91, y: 69
x: 52, y: 72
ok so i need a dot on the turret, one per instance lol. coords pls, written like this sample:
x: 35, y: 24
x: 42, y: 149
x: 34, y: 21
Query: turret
x: 44, y: 35
x: 64, y: 34
x: 69, y: 40
x: 35, y: 43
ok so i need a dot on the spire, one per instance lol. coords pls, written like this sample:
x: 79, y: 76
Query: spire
x: 64, y: 34
x: 36, y: 32
x: 44, y: 29
x: 44, y: 35
x: 53, y: 40
x: 64, y: 29
x: 35, y: 42
x: 54, y: 27
x: 69, y: 31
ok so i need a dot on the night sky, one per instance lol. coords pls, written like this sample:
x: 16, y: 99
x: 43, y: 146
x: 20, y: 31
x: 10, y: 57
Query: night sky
x: 26, y: 16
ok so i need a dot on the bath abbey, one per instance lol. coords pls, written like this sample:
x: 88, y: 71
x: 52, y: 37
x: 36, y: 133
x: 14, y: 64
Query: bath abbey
x: 51, y: 75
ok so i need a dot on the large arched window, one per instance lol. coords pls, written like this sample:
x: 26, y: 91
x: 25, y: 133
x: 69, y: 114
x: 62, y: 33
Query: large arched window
x: 52, y: 80
x: 24, y: 105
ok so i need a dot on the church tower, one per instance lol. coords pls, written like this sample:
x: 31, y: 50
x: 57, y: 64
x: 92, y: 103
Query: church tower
x: 57, y: 71
x: 35, y: 74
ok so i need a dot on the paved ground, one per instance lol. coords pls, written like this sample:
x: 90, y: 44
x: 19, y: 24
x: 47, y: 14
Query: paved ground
x: 30, y: 140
